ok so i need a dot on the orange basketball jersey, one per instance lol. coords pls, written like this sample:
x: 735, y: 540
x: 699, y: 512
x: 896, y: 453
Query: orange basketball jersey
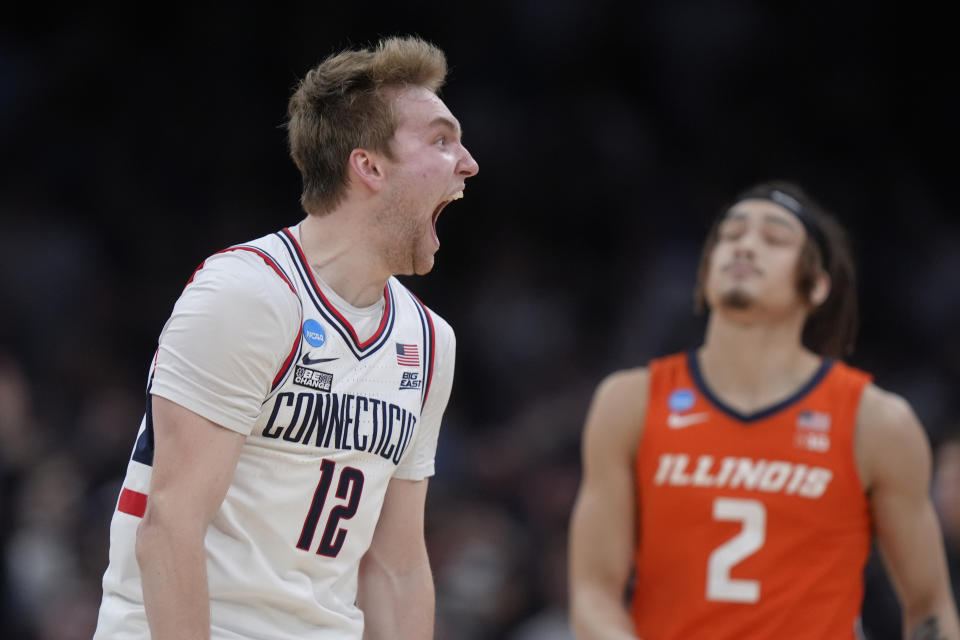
x: 750, y: 526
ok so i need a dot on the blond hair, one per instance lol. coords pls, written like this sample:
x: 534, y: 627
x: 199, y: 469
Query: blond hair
x: 341, y: 105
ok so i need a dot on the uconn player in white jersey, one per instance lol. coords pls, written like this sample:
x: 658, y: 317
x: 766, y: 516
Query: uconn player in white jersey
x: 277, y: 485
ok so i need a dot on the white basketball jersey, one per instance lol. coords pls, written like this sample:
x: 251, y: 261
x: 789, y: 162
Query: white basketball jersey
x: 340, y: 419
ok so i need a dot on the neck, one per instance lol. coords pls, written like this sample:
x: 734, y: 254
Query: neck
x: 339, y: 251
x: 753, y: 365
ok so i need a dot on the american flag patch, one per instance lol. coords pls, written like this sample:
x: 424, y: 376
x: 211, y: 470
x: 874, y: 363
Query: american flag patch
x: 408, y: 355
x: 814, y: 420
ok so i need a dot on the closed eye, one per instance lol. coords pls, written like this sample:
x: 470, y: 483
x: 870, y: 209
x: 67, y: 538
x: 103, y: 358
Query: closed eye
x: 778, y: 239
x: 732, y: 229
x: 778, y: 234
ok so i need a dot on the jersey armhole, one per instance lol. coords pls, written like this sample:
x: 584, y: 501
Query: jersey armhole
x: 272, y: 263
x: 860, y: 383
x: 655, y: 371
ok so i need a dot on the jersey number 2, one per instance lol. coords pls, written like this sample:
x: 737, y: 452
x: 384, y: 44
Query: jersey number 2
x: 348, y: 488
x: 720, y: 586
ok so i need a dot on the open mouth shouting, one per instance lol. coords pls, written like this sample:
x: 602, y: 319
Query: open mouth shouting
x: 441, y: 207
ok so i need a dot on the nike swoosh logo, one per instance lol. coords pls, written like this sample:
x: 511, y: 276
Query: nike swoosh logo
x: 308, y: 360
x: 677, y: 421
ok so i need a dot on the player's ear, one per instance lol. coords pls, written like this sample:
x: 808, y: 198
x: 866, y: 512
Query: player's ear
x: 367, y: 167
x: 821, y: 290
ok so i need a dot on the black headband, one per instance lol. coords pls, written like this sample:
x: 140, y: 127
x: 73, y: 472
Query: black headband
x: 814, y: 230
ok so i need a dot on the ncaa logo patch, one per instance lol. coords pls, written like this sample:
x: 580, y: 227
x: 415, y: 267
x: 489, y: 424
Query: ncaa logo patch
x: 313, y: 333
x: 681, y: 400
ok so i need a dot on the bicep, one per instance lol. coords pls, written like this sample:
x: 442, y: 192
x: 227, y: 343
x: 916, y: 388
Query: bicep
x: 904, y: 519
x: 603, y: 525
x: 395, y: 586
x: 193, y: 465
x: 398, y: 540
x: 602, y: 529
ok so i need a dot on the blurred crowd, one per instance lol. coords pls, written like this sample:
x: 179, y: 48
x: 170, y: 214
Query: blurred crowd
x: 507, y: 466
x: 608, y: 134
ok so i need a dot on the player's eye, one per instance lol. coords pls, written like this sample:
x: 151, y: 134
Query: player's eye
x: 442, y: 140
x: 778, y: 236
x: 732, y: 230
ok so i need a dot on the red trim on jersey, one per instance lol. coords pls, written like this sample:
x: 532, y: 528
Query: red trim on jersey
x: 132, y: 502
x: 333, y: 310
x: 432, y: 346
x: 263, y: 257
x: 266, y: 259
x: 194, y: 274
x: 272, y: 265
x: 286, y: 363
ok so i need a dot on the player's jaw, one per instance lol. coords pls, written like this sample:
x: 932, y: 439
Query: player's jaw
x: 410, y: 233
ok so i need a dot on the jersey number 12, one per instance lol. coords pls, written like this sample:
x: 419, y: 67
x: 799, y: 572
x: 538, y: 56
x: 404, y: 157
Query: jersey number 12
x: 348, y: 488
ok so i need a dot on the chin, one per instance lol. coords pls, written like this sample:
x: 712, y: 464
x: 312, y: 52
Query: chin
x: 423, y: 266
x: 736, y: 299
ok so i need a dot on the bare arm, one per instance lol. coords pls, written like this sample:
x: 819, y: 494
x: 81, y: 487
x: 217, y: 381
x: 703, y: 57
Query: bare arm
x: 194, y: 461
x: 395, y: 589
x: 603, y: 526
x: 894, y: 458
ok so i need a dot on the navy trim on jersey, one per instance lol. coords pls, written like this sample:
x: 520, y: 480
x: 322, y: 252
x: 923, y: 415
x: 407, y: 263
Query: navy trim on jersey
x: 429, y: 343
x: 143, y: 449
x: 806, y: 388
x: 330, y: 313
x: 292, y: 357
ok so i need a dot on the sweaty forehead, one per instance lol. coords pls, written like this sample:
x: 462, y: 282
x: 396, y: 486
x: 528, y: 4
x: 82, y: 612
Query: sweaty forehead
x: 765, y: 211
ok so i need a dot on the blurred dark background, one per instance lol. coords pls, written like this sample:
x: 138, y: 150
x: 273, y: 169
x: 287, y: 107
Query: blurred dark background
x: 137, y: 140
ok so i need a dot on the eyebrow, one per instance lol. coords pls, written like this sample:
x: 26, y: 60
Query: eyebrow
x: 783, y: 222
x: 768, y: 217
x: 442, y: 121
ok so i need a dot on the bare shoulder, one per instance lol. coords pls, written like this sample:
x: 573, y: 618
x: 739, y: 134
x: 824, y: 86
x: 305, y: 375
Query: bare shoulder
x: 890, y: 439
x: 624, y: 390
x: 619, y: 407
x: 887, y: 417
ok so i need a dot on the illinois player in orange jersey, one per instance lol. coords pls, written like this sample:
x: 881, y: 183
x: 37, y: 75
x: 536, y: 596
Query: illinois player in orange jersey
x: 742, y: 483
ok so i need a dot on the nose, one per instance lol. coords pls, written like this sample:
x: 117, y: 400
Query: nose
x: 467, y: 166
x: 746, y: 244
x: 743, y: 250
